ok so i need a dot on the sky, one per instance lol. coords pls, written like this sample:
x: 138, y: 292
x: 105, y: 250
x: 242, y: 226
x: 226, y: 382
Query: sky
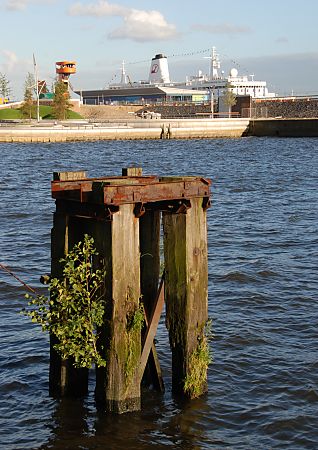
x: 276, y: 40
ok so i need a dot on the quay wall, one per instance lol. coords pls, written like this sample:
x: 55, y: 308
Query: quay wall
x: 284, y: 127
x: 159, y: 129
x: 135, y: 129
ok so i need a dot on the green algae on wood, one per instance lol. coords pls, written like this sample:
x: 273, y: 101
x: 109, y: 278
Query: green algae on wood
x: 185, y: 249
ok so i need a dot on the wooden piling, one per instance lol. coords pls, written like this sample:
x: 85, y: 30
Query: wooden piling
x: 118, y: 384
x: 185, y: 250
x: 123, y: 215
x: 64, y: 379
x: 150, y: 270
x: 131, y: 172
x: 149, y: 236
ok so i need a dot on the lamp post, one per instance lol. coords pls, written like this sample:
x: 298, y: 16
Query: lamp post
x: 37, y: 91
x: 211, y: 102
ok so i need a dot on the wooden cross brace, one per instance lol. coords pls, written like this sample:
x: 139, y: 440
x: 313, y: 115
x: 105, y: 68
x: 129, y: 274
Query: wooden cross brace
x: 148, y: 347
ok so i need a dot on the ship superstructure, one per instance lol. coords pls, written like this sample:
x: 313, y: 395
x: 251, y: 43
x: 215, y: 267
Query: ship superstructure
x: 196, y: 89
x: 215, y: 80
x: 218, y: 82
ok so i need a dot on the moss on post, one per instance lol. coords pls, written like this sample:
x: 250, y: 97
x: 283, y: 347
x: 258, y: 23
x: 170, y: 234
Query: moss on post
x: 186, y: 294
x: 117, y: 241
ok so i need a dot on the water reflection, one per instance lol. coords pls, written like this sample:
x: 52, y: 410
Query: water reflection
x: 164, y: 421
x: 68, y: 424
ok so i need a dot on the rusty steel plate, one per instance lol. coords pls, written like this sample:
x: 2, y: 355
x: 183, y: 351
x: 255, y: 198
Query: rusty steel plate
x: 145, y: 193
x: 122, y: 190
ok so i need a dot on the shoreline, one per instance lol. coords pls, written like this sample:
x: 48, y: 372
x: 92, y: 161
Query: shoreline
x: 125, y: 129
x: 157, y: 129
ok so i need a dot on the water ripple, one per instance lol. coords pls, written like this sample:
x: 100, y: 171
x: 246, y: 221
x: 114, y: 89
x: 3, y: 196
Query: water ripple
x: 262, y: 237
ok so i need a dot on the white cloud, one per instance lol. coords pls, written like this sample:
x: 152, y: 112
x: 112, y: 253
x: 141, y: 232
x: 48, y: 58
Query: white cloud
x: 16, y: 5
x: 144, y: 26
x: 16, y: 69
x: 12, y: 65
x: 99, y: 9
x: 21, y: 5
x: 224, y: 28
x: 13, y: 68
x: 138, y: 25
x: 281, y: 40
x: 10, y: 61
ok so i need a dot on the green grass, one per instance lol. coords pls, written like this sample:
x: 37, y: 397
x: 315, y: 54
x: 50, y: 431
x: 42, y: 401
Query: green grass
x: 45, y: 113
x: 10, y: 114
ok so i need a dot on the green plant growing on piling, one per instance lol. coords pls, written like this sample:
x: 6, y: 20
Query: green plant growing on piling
x: 75, y: 307
x: 134, y: 325
x: 199, y: 361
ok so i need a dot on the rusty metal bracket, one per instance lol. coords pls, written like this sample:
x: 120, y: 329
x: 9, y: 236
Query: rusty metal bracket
x: 110, y: 211
x: 139, y: 209
x: 206, y: 203
x: 183, y: 207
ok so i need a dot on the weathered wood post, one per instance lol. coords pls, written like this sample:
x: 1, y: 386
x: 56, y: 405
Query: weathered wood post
x: 150, y: 271
x: 64, y: 378
x: 186, y: 291
x: 149, y: 235
x: 123, y: 216
x: 118, y: 384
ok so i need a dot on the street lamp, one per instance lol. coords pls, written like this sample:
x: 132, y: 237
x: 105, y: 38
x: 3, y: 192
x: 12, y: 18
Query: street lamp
x: 211, y: 102
x: 37, y: 91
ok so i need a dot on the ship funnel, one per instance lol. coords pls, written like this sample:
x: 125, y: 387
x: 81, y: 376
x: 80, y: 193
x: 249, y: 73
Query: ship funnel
x: 159, y: 71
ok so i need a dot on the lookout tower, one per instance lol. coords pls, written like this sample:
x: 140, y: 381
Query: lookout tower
x: 64, y: 69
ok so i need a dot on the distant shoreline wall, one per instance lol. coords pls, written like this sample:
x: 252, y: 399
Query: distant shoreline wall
x: 136, y: 129
x: 161, y: 129
x: 284, y: 127
x: 286, y: 108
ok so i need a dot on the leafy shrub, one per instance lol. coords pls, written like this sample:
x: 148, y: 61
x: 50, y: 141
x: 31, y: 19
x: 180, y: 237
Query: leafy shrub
x: 75, y: 308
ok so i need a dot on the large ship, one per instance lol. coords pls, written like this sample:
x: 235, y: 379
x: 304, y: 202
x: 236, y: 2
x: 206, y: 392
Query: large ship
x: 195, y: 89
x: 215, y: 80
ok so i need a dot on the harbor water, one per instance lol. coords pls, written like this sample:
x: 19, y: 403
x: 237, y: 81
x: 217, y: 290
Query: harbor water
x: 263, y: 299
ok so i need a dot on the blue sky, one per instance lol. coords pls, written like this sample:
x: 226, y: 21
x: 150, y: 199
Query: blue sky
x: 275, y: 40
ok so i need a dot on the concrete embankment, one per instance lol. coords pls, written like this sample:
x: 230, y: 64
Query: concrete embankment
x: 119, y: 130
x: 284, y: 127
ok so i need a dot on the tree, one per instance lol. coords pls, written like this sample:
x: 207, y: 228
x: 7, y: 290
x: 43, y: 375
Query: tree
x: 27, y: 108
x: 229, y: 98
x: 5, y: 89
x: 61, y: 100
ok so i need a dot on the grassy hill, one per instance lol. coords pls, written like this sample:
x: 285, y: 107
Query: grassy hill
x: 10, y: 114
x: 46, y: 112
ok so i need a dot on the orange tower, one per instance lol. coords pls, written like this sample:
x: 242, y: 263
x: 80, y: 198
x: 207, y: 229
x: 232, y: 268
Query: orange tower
x: 64, y: 69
